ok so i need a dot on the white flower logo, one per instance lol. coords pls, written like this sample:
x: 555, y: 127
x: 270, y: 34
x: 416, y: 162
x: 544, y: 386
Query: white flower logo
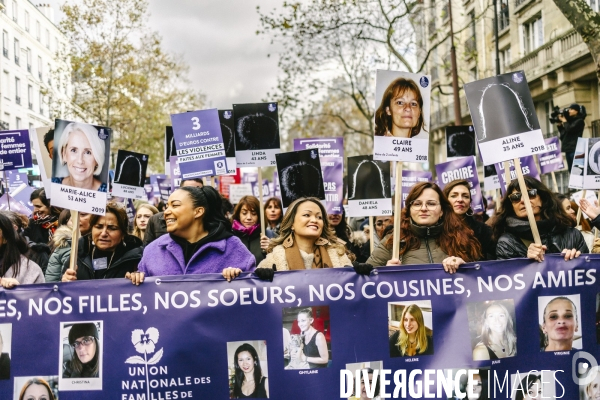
x: 145, y: 343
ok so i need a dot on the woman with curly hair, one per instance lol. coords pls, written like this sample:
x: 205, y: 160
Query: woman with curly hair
x: 431, y: 232
x: 557, y: 230
x: 498, y: 337
x: 412, y: 338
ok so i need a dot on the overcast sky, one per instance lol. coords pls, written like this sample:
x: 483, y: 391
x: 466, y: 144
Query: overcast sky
x: 217, y: 39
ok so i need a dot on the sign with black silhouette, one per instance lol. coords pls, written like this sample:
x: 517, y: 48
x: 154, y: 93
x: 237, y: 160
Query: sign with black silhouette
x: 170, y: 149
x: 460, y: 142
x: 80, y: 166
x: 256, y: 134
x: 369, y: 192
x: 503, y: 113
x: 199, y: 143
x: 300, y: 175
x: 490, y: 178
x: 402, y: 103
x: 130, y: 175
x: 227, y: 130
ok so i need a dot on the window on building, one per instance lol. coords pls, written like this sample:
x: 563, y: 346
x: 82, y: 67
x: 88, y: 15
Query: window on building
x: 18, y: 123
x: 26, y: 21
x: 49, y: 72
x: 40, y: 68
x: 41, y: 98
x: 503, y: 21
x: 30, y: 126
x: 38, y: 31
x: 30, y: 96
x: 533, y: 34
x: 471, y: 43
x: 505, y: 60
x: 56, y: 48
x: 5, y: 121
x: 15, y: 11
x: 473, y: 74
x: 47, y: 39
x: 18, y: 90
x: 594, y: 4
x: 17, y: 51
x: 5, y: 43
x: 29, y: 56
x: 6, y: 85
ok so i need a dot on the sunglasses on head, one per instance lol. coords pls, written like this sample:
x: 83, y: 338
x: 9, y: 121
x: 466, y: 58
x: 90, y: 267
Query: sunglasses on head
x: 516, y: 196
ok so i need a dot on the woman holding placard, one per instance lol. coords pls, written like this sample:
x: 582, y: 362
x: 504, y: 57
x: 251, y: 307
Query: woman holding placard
x: 247, y: 228
x: 400, y: 113
x: 458, y: 193
x: 273, y: 217
x: 142, y: 215
x: 571, y: 208
x: 199, y: 240
x: 431, y: 233
x: 513, y: 232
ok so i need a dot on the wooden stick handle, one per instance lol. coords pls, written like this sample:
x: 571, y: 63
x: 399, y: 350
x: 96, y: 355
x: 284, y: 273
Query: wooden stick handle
x: 525, y: 197
x: 397, y: 212
x: 260, y: 201
x: 554, y: 184
x: 371, y: 234
x: 74, y: 239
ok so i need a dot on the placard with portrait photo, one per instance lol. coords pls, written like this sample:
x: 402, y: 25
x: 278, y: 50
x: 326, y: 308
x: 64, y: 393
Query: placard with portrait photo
x: 5, y: 350
x: 80, y: 355
x: 227, y: 130
x: 130, y: 175
x: 578, y: 168
x: 369, y: 192
x: 248, y: 368
x: 370, y: 386
x: 170, y: 149
x: 256, y: 134
x: 300, y: 175
x: 80, y: 166
x: 402, y: 108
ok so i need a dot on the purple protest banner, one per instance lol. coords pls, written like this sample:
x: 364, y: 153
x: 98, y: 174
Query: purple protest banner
x: 276, y: 187
x: 15, y: 150
x: 331, y: 154
x: 249, y: 177
x: 175, y: 173
x: 199, y: 143
x: 164, y: 185
x: 8, y: 203
x: 15, y: 179
x: 411, y: 178
x: 154, y: 182
x: 266, y: 190
x: 149, y: 191
x: 462, y: 168
x: 527, y: 166
x: 551, y: 160
x: 22, y: 194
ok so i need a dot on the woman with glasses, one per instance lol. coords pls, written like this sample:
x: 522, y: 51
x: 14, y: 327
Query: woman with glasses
x: 431, y: 232
x: 512, y: 230
x: 83, y: 338
x: 458, y: 193
x: 400, y: 113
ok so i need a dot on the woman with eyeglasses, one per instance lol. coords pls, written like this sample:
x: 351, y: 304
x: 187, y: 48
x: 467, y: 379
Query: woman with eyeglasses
x: 458, y: 193
x: 512, y: 230
x: 83, y: 338
x: 431, y: 233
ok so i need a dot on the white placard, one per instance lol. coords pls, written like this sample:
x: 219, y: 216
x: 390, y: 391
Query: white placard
x: 400, y: 149
x: 129, y: 192
x: 256, y: 158
x: 590, y: 196
x: 83, y: 200
x: 369, y: 208
x: 231, y: 166
x: 237, y: 191
x: 511, y: 147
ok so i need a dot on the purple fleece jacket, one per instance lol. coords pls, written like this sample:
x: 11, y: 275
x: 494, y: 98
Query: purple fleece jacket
x: 165, y: 257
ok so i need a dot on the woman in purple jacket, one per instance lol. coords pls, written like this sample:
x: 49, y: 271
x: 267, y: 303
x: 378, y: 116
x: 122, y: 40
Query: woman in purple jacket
x: 199, y: 240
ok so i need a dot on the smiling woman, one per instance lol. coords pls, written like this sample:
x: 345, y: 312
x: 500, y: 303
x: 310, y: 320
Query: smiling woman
x: 412, y: 338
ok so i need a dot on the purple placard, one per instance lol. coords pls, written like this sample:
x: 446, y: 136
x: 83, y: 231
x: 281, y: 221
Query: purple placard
x: 175, y: 173
x: 276, y: 188
x: 266, y: 189
x: 462, y: 168
x: 199, y: 143
x: 130, y: 208
x: 527, y: 166
x: 8, y: 203
x: 411, y: 178
x: 164, y: 185
x: 154, y: 182
x: 249, y: 177
x: 16, y: 179
x: 23, y: 196
x: 552, y: 160
x: 331, y: 154
x: 149, y: 191
x: 15, y: 150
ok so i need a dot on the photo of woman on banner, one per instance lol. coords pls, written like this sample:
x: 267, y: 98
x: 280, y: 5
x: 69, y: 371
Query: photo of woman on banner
x: 513, y: 233
x: 495, y: 333
x: 479, y: 385
x: 559, y: 322
x: 36, y: 388
x: 591, y: 391
x: 81, y: 358
x: 248, y: 380
x: 413, y: 338
x: 256, y: 126
x: 81, y: 155
x: 308, y: 347
x: 360, y: 393
x: 5, y: 350
x: 531, y: 388
x: 460, y: 141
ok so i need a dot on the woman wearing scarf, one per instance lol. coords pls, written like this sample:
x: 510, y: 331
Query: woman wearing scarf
x: 247, y: 228
x: 557, y: 232
x: 45, y: 218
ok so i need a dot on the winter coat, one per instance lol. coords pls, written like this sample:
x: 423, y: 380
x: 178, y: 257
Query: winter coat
x: 483, y: 233
x: 570, y: 131
x: 337, y: 254
x: 556, y: 239
x: 126, y: 259
x: 29, y: 272
x: 429, y: 252
x: 157, y: 226
x: 61, y: 254
x: 252, y: 243
x: 217, y: 251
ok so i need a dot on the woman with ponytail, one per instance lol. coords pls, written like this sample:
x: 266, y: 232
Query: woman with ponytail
x: 199, y: 238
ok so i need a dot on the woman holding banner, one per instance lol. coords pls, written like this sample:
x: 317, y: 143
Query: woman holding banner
x: 400, y: 113
x: 512, y: 230
x: 431, y: 233
x: 247, y: 228
x: 273, y: 217
x: 498, y: 337
x: 458, y: 193
x: 199, y: 240
x: 572, y: 209
x: 412, y: 338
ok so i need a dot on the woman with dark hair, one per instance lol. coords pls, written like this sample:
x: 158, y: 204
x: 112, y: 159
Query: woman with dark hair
x: 513, y: 233
x: 110, y: 252
x: 530, y: 388
x: 199, y: 238
x: 400, y: 113
x: 39, y: 253
x: 248, y: 380
x: 412, y: 338
x: 247, y: 227
x: 498, y: 336
x: 85, y: 363
x: 571, y: 208
x: 273, y: 216
x: 458, y: 193
x: 16, y: 268
x: 431, y: 232
x: 45, y: 218
x: 36, y: 389
x: 361, y: 393
x: 343, y: 232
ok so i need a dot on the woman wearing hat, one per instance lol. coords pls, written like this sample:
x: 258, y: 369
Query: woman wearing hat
x: 85, y: 363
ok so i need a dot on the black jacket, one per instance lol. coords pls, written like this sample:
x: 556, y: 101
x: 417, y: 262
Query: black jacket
x: 556, y: 240
x: 126, y: 259
x: 156, y: 228
x: 484, y: 234
x: 4, y: 366
x: 569, y: 132
x: 252, y: 243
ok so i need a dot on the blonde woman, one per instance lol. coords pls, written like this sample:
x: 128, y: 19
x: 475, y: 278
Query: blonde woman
x: 498, y: 338
x: 142, y: 216
x: 412, y: 338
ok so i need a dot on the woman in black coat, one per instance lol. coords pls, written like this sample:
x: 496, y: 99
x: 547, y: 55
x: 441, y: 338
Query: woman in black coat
x: 246, y: 227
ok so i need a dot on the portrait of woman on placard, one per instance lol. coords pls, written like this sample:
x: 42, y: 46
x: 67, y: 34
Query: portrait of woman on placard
x: 400, y: 113
x: 412, y: 339
x: 560, y: 324
x: 248, y: 380
x: 85, y: 354
x: 497, y: 337
x: 36, y: 389
x: 81, y: 150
